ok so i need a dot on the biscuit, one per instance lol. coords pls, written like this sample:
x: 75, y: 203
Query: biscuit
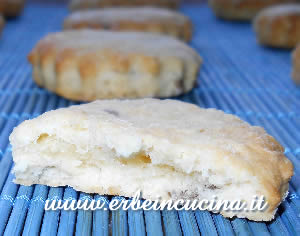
x: 296, y: 65
x: 278, y: 26
x: 147, y: 19
x: 92, y: 4
x: 243, y: 10
x: 86, y: 65
x: 11, y: 8
x: 165, y: 148
x: 2, y: 23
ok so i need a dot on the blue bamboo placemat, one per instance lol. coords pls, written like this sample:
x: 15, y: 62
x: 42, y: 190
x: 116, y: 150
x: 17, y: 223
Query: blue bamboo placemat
x: 238, y: 76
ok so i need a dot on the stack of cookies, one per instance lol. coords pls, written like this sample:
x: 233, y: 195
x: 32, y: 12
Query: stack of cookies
x: 114, y: 51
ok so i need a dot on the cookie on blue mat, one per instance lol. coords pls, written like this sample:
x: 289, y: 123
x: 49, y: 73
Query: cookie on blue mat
x: 279, y: 26
x: 86, y: 65
x: 146, y: 19
x: 165, y: 148
x: 296, y: 65
x: 11, y: 8
x: 92, y: 4
x: 241, y: 10
x: 2, y: 23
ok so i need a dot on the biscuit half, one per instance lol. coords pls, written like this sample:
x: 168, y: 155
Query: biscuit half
x: 92, y: 4
x: 145, y: 19
x: 296, y: 65
x: 165, y: 148
x: 242, y: 10
x: 86, y: 65
x: 279, y: 26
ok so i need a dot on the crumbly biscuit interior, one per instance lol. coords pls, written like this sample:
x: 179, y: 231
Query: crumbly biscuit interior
x: 53, y: 161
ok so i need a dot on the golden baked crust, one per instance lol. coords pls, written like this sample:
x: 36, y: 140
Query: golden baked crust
x: 296, y: 65
x: 279, y: 26
x: 91, y: 4
x: 95, y: 64
x: 241, y: 9
x: 145, y: 19
x: 11, y: 8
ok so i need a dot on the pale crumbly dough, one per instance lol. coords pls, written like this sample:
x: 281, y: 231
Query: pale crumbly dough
x: 92, y: 64
x: 243, y: 10
x: 92, y: 4
x: 11, y: 8
x: 296, y: 65
x: 145, y: 19
x: 279, y: 26
x: 165, y: 148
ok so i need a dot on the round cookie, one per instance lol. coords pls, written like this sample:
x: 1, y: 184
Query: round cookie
x: 2, y: 23
x: 11, y: 8
x: 296, y: 65
x: 145, y: 19
x: 87, y: 65
x: 92, y: 4
x: 279, y: 26
x: 243, y: 10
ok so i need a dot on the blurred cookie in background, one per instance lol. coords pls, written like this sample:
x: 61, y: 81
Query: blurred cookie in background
x: 2, y: 23
x: 242, y: 10
x: 279, y: 26
x: 145, y: 19
x: 296, y: 65
x: 91, y: 4
x: 86, y: 65
x: 11, y: 8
